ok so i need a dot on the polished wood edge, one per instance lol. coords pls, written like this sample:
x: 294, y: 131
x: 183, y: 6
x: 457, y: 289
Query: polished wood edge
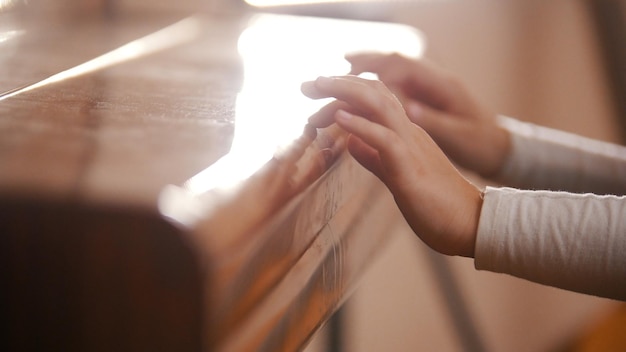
x: 220, y: 222
x: 239, y: 226
x: 327, y: 273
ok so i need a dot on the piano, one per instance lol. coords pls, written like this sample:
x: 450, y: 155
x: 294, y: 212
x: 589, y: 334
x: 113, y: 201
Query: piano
x: 159, y: 187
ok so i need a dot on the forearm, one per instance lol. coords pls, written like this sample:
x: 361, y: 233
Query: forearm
x: 543, y: 158
x: 572, y: 241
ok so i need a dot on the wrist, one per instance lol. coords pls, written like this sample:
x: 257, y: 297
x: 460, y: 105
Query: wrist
x: 469, y: 242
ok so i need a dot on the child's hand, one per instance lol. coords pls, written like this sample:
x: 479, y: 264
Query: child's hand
x: 439, y: 204
x: 465, y: 130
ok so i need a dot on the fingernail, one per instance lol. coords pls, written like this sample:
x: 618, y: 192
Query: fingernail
x: 323, y: 81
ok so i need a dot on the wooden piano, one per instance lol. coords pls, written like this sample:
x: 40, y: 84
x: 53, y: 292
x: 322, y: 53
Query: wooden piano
x: 158, y: 187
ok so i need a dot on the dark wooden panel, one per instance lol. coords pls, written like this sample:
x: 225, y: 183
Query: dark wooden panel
x: 77, y: 278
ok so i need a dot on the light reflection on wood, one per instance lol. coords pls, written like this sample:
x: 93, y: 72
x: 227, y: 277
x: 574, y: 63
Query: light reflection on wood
x: 93, y: 255
x: 166, y: 38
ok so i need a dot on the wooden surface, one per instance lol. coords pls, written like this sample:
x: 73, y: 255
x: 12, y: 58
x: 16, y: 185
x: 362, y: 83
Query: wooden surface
x: 158, y: 190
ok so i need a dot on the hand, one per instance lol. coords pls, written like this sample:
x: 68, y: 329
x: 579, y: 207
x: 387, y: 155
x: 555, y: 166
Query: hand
x: 439, y: 204
x: 465, y: 130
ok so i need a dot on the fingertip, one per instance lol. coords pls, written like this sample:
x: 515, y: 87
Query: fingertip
x: 415, y: 111
x: 325, y: 116
x: 350, y: 56
x: 308, y: 88
x: 310, y: 130
x: 355, y: 55
x: 318, y: 121
x: 423, y: 116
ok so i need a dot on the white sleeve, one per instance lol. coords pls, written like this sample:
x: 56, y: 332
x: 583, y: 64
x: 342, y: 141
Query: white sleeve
x: 572, y: 241
x: 548, y: 159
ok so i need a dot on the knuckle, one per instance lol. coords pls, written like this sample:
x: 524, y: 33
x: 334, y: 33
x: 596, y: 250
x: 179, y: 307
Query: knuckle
x: 390, y: 103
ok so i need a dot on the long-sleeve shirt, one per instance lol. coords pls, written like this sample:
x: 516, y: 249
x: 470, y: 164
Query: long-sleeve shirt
x: 568, y: 228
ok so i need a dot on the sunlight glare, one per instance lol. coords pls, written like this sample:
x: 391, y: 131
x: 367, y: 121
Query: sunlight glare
x: 280, y: 52
x: 6, y: 4
x: 8, y: 35
x: 165, y: 38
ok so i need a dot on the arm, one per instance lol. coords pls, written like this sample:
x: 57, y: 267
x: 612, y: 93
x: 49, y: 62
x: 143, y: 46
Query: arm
x: 566, y: 240
x: 509, y: 151
x: 572, y: 241
x: 543, y: 158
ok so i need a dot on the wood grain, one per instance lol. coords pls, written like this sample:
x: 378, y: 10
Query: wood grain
x: 102, y: 245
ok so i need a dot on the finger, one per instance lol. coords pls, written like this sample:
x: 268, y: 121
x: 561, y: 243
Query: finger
x: 437, y: 123
x: 419, y: 78
x: 365, y: 62
x: 382, y: 139
x: 366, y: 156
x: 325, y: 116
x: 310, y: 89
x: 392, y: 69
x: 371, y: 97
x: 433, y: 85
